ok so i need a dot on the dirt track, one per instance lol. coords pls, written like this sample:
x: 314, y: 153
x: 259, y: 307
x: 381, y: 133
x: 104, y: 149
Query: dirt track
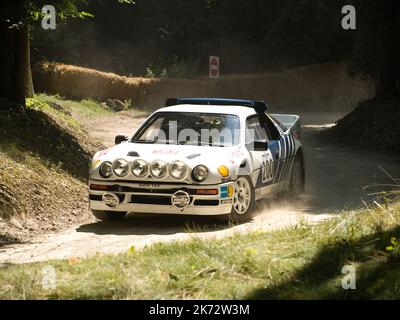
x: 335, y: 177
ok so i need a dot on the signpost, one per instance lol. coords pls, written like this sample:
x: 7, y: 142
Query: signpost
x: 214, y: 67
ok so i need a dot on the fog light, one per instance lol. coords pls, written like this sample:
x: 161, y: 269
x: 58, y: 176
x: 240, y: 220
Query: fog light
x: 106, y: 169
x: 110, y: 199
x: 178, y: 170
x: 200, y: 173
x: 140, y: 168
x: 158, y: 169
x: 120, y: 167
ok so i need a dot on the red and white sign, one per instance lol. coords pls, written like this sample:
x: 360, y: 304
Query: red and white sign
x: 214, y: 67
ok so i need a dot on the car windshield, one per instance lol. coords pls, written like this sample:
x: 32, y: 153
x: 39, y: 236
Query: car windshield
x: 190, y: 128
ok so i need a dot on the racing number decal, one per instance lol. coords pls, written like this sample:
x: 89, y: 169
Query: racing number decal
x: 267, y: 169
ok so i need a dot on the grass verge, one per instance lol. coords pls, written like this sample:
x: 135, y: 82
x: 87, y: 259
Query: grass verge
x: 301, y: 262
x: 84, y: 108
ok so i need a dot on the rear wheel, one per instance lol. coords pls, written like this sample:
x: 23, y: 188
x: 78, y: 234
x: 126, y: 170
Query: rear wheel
x: 243, y: 201
x: 109, y: 215
x: 297, y: 178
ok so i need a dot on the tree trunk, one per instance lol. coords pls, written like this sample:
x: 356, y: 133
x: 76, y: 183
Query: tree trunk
x: 15, y: 69
x: 29, y: 92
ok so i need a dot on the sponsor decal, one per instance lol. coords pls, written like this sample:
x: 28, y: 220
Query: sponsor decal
x: 237, y: 153
x: 149, y: 185
x: 166, y: 152
x: 226, y: 191
x: 267, y: 169
x: 226, y: 201
x: 180, y: 199
x: 104, y: 152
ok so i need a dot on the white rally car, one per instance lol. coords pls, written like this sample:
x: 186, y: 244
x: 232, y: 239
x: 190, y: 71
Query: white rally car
x: 199, y: 157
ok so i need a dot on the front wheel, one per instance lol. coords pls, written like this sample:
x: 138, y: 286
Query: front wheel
x: 109, y: 215
x: 243, y: 201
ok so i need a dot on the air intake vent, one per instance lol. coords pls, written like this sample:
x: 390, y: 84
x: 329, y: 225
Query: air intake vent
x: 133, y: 154
x: 193, y: 156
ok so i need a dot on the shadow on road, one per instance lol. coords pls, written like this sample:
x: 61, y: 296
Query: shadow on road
x: 160, y: 224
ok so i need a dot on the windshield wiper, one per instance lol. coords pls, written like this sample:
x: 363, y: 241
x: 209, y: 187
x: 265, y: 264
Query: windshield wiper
x: 144, y: 141
x: 207, y: 144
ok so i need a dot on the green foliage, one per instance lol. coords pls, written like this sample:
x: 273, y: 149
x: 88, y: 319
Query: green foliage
x: 86, y: 108
x: 29, y: 11
x: 41, y: 105
x: 178, y: 36
x: 149, y: 73
x: 394, y: 246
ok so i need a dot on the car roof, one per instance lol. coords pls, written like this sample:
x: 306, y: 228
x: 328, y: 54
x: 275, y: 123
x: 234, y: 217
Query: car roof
x: 241, y: 111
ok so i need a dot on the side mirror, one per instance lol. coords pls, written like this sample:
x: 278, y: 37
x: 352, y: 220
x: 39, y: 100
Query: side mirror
x: 260, y: 145
x: 120, y: 138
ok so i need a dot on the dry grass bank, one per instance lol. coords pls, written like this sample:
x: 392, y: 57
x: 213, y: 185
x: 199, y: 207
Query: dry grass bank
x: 44, y: 156
x: 311, y: 87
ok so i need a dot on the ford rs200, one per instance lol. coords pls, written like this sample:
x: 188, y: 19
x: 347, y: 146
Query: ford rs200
x: 200, y: 156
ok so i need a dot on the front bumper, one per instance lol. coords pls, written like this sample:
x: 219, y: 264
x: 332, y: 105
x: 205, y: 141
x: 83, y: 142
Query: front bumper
x: 157, y: 198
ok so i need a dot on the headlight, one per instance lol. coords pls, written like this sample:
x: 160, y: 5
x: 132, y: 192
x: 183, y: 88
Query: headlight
x: 140, y: 168
x: 106, y: 169
x: 178, y: 170
x: 158, y: 169
x: 200, y: 173
x: 120, y: 167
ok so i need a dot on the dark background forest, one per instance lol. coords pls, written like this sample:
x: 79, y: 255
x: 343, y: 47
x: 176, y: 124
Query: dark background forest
x: 174, y: 38
x: 179, y: 35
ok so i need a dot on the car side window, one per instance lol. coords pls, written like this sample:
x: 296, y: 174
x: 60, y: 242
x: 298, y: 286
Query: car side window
x: 254, y: 130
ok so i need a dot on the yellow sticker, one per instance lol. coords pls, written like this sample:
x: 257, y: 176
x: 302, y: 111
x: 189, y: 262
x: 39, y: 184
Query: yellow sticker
x: 230, y: 191
x: 95, y: 163
x: 223, y: 171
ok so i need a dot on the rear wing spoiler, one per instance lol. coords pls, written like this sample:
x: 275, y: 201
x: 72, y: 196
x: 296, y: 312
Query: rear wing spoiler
x: 289, y: 123
x: 258, y: 106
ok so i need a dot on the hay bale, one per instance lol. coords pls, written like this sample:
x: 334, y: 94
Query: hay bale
x: 309, y: 86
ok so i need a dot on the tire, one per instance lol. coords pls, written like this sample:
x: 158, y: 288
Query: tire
x: 109, y: 215
x: 243, y: 201
x: 297, y: 179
